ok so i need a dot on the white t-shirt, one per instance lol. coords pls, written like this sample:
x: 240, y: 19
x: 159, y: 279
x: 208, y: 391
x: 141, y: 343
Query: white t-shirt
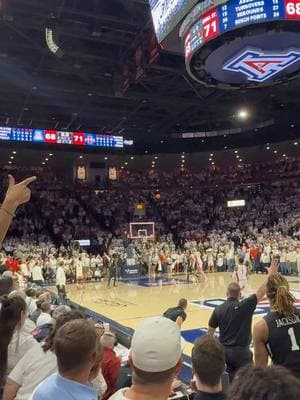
x: 32, y: 369
x: 43, y: 319
x: 20, y: 343
x: 119, y: 395
x: 36, y: 273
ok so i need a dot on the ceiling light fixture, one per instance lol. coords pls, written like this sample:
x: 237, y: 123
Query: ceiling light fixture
x: 14, y: 152
x: 243, y: 114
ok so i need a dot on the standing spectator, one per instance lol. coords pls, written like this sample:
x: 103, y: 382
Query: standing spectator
x: 234, y: 319
x: 278, y: 333
x: 265, y: 261
x: 61, y: 281
x: 208, y: 361
x: 177, y: 314
x: 155, y: 360
x: 37, y: 274
x: 261, y: 383
x: 111, y: 364
x: 76, y: 346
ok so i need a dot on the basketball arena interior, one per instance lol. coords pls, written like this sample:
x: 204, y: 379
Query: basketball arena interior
x: 150, y: 199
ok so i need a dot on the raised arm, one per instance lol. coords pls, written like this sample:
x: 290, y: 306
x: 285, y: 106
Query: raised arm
x: 261, y: 291
x: 16, y: 195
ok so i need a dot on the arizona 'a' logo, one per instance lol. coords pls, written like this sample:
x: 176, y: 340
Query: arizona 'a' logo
x: 259, y: 65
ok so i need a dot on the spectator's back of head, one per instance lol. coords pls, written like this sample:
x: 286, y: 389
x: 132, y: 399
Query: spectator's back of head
x: 108, y: 340
x: 75, y: 345
x: 155, y: 351
x: 61, y: 320
x: 6, y: 286
x: 183, y: 303
x: 264, y: 383
x: 46, y: 307
x: 30, y: 292
x: 233, y: 290
x: 208, y: 359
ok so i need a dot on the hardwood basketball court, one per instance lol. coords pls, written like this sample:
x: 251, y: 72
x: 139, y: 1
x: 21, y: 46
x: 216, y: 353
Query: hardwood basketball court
x: 133, y: 300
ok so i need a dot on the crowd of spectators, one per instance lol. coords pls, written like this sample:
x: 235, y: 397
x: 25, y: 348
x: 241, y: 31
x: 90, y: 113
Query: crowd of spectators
x: 48, y: 351
x: 72, y: 357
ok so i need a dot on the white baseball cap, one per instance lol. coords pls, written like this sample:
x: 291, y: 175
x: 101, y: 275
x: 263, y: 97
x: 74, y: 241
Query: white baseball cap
x: 156, y: 345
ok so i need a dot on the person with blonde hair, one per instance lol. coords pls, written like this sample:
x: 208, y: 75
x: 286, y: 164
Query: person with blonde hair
x: 278, y: 334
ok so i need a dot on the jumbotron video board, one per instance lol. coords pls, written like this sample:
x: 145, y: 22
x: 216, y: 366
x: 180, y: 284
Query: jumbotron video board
x: 243, y: 52
x: 166, y: 14
x: 60, y: 137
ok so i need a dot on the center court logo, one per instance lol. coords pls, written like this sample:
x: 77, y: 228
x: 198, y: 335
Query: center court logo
x: 259, y: 65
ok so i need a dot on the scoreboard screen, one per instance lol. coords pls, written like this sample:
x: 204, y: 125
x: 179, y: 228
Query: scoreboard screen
x: 166, y: 14
x: 60, y: 137
x: 235, y: 14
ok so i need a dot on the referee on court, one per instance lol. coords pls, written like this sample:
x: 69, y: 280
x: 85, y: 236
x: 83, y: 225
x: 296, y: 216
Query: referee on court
x: 234, y: 320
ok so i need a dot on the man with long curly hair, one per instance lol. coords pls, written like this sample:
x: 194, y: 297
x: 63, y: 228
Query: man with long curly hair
x: 278, y: 334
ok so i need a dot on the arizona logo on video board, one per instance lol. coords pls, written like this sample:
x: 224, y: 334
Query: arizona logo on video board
x: 259, y: 65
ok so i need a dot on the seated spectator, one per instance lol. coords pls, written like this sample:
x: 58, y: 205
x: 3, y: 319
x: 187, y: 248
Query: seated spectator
x: 37, y: 364
x: 264, y: 383
x: 45, y: 316
x: 14, y: 342
x: 76, y: 346
x: 31, y: 301
x: 34, y: 316
x: 111, y: 364
x: 155, y: 360
x: 208, y: 361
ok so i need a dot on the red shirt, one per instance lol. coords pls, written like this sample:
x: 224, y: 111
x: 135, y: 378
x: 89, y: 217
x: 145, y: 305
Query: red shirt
x: 110, y: 366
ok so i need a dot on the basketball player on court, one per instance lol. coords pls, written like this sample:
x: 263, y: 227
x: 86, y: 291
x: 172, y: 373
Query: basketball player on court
x: 278, y: 334
x: 234, y: 320
x: 199, y: 265
x: 240, y: 275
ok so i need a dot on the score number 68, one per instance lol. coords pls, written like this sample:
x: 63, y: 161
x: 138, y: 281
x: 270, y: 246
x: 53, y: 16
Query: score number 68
x: 292, y: 9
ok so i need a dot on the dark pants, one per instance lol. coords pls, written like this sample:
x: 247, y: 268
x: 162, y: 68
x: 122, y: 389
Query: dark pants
x: 61, y: 290
x: 112, y: 275
x: 237, y: 357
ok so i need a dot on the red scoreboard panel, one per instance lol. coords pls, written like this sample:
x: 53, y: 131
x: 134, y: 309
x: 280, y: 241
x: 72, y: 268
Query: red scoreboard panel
x: 78, y: 138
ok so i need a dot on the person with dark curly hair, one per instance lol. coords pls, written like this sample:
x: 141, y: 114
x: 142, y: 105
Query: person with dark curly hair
x: 278, y: 334
x: 264, y: 383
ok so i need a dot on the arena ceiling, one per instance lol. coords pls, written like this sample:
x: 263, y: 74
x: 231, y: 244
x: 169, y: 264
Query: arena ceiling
x: 82, y: 87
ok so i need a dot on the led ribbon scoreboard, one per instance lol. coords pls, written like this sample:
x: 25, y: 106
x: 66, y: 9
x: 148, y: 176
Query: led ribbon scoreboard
x: 60, y: 137
x: 236, y: 14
